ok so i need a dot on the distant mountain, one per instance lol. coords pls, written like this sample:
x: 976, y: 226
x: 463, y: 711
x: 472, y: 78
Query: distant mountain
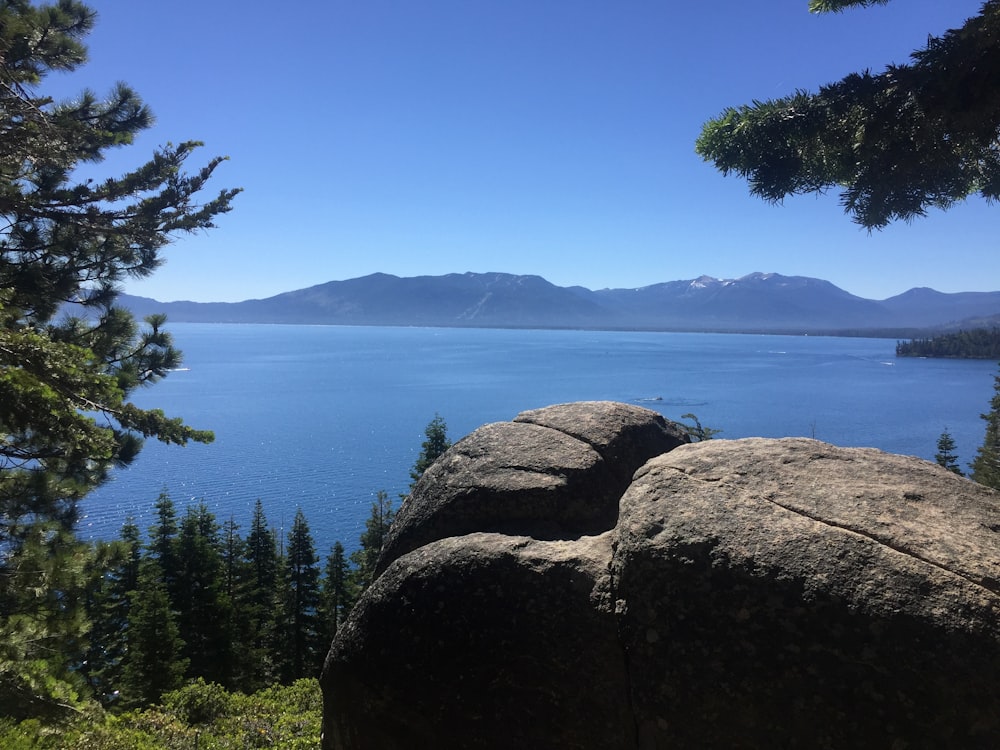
x: 925, y: 306
x: 760, y: 301
x: 757, y: 302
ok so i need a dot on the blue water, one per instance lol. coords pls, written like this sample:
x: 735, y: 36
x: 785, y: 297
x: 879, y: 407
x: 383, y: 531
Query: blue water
x: 323, y: 417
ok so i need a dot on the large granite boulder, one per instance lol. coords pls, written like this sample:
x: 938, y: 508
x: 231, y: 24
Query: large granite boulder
x: 788, y: 593
x: 553, y: 473
x: 739, y: 594
x: 482, y: 641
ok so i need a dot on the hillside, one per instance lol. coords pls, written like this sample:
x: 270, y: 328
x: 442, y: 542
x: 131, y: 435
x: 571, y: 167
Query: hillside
x: 757, y: 302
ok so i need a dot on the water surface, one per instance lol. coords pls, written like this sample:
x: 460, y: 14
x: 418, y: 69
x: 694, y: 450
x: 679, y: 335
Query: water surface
x: 322, y: 417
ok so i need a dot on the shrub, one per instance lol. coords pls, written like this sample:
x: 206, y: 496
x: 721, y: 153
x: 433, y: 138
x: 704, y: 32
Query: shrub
x: 198, y: 702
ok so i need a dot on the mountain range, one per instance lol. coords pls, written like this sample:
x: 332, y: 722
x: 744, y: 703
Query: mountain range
x: 756, y: 302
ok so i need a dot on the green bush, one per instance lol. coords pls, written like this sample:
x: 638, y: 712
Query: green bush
x: 198, y: 702
x: 24, y: 735
x: 200, y: 715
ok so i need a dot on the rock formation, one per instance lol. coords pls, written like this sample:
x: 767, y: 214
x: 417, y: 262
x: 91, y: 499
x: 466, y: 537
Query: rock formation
x: 554, y: 473
x: 581, y: 578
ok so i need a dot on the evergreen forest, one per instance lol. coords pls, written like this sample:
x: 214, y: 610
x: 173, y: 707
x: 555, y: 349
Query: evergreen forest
x: 978, y: 343
x: 198, y: 632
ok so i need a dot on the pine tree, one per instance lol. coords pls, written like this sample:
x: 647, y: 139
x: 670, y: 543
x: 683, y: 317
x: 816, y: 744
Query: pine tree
x: 261, y: 602
x: 233, y: 561
x: 153, y: 663
x: 113, y: 577
x: 43, y: 624
x: 897, y: 143
x: 204, y: 610
x: 377, y: 526
x: 131, y: 538
x: 301, y: 656
x: 236, y: 587
x: 986, y: 465
x: 337, y: 595
x: 71, y: 242
x: 66, y: 245
x: 163, y: 540
x: 946, y: 455
x: 435, y: 444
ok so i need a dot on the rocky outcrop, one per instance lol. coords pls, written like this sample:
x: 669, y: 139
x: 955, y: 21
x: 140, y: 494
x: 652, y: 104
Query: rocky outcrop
x: 781, y: 593
x: 553, y: 473
x: 749, y: 593
x: 485, y: 640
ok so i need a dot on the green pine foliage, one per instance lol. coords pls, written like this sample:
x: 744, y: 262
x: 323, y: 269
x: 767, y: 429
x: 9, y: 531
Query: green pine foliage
x: 234, y: 568
x: 365, y: 558
x: 113, y: 576
x: 435, y: 443
x: 338, y: 593
x: 946, y: 455
x: 141, y: 643
x: 43, y: 623
x: 236, y: 589
x: 204, y: 610
x: 154, y: 662
x: 66, y: 242
x: 259, y: 603
x: 916, y: 136
x: 70, y: 359
x: 165, y: 649
x: 131, y: 539
x: 978, y: 343
x: 986, y: 465
x: 232, y: 612
x: 835, y: 6
x: 302, y: 652
x: 162, y: 545
x: 117, y: 622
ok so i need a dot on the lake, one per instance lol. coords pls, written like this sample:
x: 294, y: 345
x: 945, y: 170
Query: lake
x: 323, y: 417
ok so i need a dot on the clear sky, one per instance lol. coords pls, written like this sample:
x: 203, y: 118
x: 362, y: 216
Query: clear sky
x: 549, y: 137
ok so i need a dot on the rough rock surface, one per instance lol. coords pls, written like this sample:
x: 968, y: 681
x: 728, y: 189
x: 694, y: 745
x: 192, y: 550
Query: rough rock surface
x: 482, y: 641
x: 743, y: 594
x: 790, y: 593
x: 553, y: 473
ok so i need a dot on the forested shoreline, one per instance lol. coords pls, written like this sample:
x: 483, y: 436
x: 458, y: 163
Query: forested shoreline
x: 978, y: 343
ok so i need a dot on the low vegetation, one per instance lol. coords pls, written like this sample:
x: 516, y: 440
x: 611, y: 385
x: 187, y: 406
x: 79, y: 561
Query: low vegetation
x: 199, y: 715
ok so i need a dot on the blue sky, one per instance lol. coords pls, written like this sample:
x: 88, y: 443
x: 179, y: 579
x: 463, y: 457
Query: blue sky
x: 549, y: 137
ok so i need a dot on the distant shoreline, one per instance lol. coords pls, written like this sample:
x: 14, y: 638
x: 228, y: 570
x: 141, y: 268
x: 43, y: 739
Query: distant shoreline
x: 753, y: 304
x: 860, y: 333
